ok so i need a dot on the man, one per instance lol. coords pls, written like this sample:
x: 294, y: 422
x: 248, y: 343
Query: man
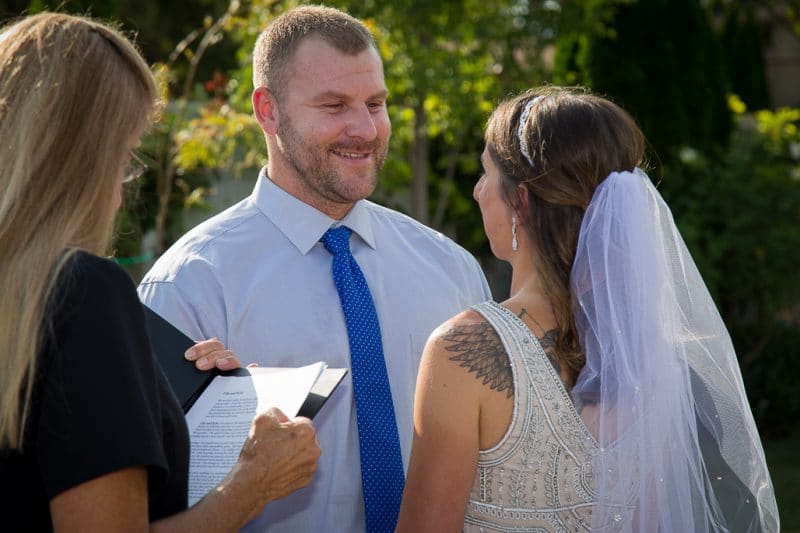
x: 257, y: 277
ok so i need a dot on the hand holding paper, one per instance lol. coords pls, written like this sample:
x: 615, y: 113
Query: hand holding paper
x: 240, y: 418
x: 222, y: 418
x: 281, y: 453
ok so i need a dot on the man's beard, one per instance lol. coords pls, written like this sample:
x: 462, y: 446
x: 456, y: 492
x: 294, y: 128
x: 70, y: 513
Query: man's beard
x: 309, y: 160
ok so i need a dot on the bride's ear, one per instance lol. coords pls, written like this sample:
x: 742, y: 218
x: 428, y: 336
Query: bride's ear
x: 522, y: 193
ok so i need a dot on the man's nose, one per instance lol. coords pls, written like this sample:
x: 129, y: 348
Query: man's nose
x: 361, y: 124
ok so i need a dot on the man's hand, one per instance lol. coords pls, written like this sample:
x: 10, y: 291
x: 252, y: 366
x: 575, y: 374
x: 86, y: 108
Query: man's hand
x: 212, y: 353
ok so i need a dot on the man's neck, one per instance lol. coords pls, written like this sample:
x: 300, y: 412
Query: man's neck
x: 292, y: 185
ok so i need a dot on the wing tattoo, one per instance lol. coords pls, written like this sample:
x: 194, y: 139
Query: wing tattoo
x: 478, y: 348
x: 548, y: 343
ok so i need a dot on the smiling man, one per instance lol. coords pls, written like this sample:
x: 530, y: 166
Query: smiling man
x: 259, y: 277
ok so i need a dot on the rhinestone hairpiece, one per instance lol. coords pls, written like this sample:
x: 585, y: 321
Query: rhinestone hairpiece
x: 523, y: 121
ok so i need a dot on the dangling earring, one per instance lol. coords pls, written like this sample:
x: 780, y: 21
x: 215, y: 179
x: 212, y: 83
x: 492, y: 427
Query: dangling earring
x: 514, y: 244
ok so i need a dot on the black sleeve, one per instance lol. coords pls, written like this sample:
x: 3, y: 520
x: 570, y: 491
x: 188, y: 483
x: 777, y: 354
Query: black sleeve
x: 100, y: 405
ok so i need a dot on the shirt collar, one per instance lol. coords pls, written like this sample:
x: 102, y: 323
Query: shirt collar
x: 302, y: 224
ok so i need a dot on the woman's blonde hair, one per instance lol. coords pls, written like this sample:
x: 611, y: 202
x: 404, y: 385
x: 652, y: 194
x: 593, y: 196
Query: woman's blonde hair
x: 74, y: 97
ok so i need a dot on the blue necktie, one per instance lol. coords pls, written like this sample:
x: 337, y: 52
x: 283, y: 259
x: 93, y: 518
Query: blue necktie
x: 381, y: 462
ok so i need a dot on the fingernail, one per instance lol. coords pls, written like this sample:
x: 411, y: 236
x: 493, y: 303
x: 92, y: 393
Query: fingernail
x: 203, y: 363
x: 224, y: 363
x: 189, y: 354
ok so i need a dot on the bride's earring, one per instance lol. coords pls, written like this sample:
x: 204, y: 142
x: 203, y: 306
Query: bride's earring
x: 514, y: 243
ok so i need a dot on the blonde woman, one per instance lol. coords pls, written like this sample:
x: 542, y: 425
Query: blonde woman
x: 91, y: 437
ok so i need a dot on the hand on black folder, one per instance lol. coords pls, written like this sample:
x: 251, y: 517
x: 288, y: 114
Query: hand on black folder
x: 188, y: 383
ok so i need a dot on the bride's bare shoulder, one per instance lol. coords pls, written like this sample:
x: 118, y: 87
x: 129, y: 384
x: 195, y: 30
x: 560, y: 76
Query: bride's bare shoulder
x: 468, y: 318
x: 469, y: 342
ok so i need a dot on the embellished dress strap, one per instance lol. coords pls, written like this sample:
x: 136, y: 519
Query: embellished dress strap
x: 517, y: 344
x: 538, y: 478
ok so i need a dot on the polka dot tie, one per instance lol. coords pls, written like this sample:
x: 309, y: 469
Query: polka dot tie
x: 381, y: 462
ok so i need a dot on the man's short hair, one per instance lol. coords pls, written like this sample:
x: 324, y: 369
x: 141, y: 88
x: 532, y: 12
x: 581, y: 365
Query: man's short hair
x: 278, y: 42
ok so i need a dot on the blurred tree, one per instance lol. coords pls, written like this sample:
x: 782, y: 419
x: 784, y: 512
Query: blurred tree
x: 180, y: 164
x: 156, y: 26
x: 731, y: 178
x: 743, y: 45
x: 171, y: 144
x: 12, y: 8
x: 447, y: 63
x: 675, y: 86
x: 739, y: 216
x: 102, y: 8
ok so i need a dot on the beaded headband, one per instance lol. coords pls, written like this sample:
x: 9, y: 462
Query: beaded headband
x: 523, y: 121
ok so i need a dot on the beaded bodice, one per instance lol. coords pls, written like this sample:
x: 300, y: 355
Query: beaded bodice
x: 539, y: 476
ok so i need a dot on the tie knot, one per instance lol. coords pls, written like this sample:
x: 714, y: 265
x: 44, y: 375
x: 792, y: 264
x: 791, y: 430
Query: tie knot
x: 337, y: 240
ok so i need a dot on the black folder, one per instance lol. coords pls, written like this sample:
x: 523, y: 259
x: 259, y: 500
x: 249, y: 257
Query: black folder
x: 169, y: 344
x: 321, y: 391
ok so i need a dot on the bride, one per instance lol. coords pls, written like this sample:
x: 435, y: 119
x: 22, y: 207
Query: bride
x: 604, y: 394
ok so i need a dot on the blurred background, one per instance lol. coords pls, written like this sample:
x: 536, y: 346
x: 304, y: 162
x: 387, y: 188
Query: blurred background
x: 714, y: 84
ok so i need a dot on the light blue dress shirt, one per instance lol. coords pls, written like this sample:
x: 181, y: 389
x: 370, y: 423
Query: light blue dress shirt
x: 256, y: 277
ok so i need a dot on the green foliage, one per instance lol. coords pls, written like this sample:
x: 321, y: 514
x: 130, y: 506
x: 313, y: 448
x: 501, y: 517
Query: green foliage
x: 784, y: 469
x: 740, y: 214
x: 108, y: 9
x: 734, y: 195
x: 157, y: 27
x: 744, y: 49
x: 219, y: 138
x: 675, y: 87
x: 446, y: 63
x: 739, y: 217
x: 772, y: 380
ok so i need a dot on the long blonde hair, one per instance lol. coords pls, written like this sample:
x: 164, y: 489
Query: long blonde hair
x: 74, y: 97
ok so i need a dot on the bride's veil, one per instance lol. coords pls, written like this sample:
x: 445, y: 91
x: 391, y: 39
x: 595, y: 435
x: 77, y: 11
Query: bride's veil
x: 661, y: 389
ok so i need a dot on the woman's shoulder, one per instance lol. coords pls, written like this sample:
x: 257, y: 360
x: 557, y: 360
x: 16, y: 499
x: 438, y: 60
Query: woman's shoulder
x: 466, y: 339
x: 468, y: 321
x: 469, y: 341
x: 92, y: 288
x: 87, y: 265
x: 467, y: 317
x: 85, y: 272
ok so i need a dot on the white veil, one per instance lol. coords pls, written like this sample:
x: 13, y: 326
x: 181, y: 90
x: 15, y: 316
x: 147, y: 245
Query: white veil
x: 661, y: 389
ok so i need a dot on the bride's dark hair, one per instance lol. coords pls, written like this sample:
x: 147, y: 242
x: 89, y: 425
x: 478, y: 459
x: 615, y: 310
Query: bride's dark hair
x: 572, y: 141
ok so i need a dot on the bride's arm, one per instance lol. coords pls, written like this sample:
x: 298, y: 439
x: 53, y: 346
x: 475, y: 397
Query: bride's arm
x: 446, y: 437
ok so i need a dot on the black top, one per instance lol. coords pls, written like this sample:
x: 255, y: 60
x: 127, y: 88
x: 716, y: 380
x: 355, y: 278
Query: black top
x: 100, y: 403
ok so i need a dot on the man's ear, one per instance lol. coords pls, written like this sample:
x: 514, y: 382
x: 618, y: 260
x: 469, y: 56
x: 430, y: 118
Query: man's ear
x: 265, y: 109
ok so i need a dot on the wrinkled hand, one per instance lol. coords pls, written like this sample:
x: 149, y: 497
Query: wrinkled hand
x: 280, y: 454
x: 212, y: 353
